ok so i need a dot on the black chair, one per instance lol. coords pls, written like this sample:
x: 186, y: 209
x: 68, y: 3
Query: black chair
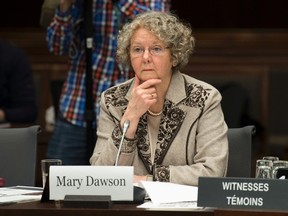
x: 18, y: 155
x: 240, y: 151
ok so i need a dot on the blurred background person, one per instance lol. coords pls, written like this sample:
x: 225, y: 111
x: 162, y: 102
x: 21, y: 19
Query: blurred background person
x: 18, y: 102
x: 47, y: 12
x: 177, y: 129
x: 66, y: 36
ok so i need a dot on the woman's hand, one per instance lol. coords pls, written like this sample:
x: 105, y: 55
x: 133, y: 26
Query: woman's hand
x: 137, y: 179
x: 143, y: 96
x: 66, y: 4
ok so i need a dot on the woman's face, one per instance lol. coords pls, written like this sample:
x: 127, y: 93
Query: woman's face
x: 150, y: 58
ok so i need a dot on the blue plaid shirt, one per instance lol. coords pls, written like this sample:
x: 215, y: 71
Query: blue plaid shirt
x: 65, y: 36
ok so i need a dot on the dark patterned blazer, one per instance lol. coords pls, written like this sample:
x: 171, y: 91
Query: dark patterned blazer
x: 192, y: 136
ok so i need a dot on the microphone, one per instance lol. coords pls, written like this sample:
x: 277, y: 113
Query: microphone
x: 125, y: 128
x: 138, y: 192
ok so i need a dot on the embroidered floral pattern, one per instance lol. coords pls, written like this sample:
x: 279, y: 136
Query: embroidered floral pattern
x: 143, y: 144
x: 115, y: 96
x: 170, y: 123
x: 162, y: 173
x: 128, y: 145
x: 197, y: 96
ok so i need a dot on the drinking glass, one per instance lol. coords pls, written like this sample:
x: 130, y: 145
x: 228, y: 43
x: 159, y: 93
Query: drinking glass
x: 263, y: 169
x: 272, y: 158
x: 277, y: 165
x: 45, y: 166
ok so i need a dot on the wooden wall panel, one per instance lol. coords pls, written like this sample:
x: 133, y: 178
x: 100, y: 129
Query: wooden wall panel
x: 201, y: 14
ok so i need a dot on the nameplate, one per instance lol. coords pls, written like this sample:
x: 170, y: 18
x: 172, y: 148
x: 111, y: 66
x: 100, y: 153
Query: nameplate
x: 114, y: 181
x: 243, y: 193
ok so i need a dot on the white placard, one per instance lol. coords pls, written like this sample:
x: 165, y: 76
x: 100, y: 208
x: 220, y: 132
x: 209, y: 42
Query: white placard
x: 116, y: 181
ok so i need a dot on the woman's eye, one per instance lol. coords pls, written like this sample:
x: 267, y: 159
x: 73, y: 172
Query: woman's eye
x: 157, y: 49
x: 137, y: 50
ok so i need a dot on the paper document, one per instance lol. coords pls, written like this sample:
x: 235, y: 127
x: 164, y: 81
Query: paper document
x: 170, y: 206
x: 19, y: 194
x: 166, y: 192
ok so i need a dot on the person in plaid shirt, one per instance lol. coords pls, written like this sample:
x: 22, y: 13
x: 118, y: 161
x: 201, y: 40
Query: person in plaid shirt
x: 65, y: 36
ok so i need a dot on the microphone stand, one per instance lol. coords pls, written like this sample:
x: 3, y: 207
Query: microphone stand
x: 139, y: 193
x: 125, y: 128
x: 89, y: 101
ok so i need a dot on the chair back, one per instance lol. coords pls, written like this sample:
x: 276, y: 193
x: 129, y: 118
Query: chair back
x: 240, y: 151
x: 18, y: 155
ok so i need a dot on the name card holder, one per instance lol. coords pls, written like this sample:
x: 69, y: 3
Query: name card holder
x: 243, y: 193
x: 94, y: 186
x: 87, y: 201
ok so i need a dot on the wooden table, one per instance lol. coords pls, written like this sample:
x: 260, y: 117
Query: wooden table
x: 49, y: 208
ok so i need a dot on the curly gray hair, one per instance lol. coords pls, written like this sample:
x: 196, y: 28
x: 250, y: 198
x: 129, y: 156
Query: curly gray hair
x: 168, y: 28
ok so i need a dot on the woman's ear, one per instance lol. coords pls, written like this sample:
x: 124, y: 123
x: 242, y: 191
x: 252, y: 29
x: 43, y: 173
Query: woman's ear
x: 174, y: 63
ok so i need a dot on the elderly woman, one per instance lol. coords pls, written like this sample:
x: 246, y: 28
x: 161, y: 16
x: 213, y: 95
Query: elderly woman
x: 177, y: 130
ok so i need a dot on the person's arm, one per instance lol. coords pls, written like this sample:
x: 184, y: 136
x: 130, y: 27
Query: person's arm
x: 65, y: 5
x: 47, y: 12
x: 139, y: 103
x: 109, y: 134
x: 60, y: 31
x: 131, y: 8
x: 107, y: 146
